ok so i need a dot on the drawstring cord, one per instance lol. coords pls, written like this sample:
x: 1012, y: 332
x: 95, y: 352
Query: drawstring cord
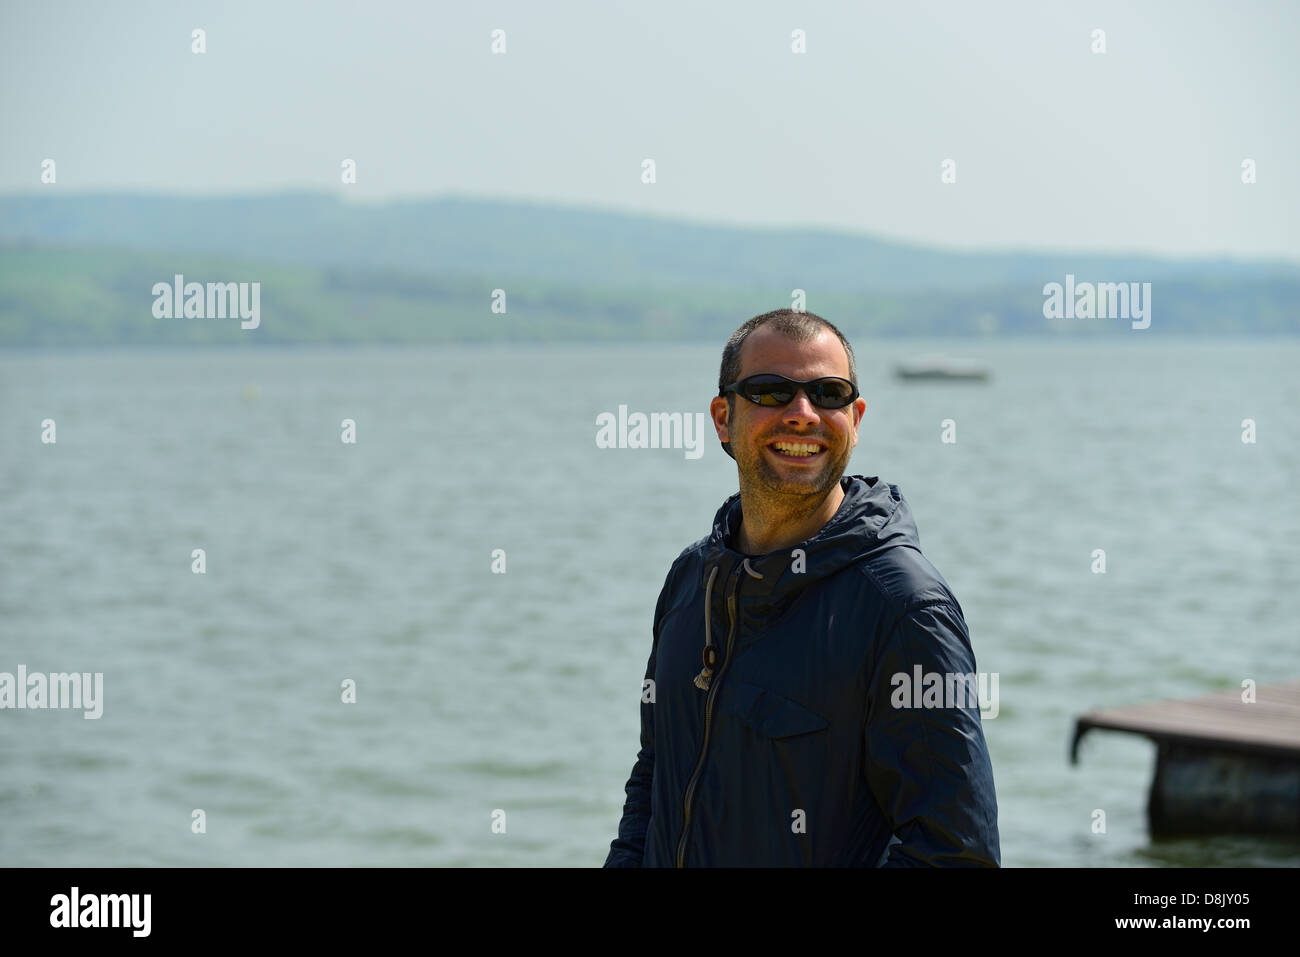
x: 711, y: 653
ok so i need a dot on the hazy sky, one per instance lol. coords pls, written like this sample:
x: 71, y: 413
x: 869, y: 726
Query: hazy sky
x: 1139, y: 148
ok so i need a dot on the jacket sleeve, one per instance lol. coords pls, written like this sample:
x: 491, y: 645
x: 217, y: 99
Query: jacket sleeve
x: 628, y: 848
x: 928, y: 767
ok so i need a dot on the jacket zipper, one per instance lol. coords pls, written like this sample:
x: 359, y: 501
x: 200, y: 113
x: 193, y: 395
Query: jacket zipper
x: 708, y: 716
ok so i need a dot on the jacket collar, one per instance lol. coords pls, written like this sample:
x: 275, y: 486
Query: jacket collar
x: 872, y: 517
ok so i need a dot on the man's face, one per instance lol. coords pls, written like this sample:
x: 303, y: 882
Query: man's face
x: 754, y: 429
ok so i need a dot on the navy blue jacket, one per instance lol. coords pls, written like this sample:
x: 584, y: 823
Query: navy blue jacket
x: 799, y: 753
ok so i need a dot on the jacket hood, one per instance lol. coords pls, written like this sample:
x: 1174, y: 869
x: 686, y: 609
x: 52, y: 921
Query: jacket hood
x: 872, y: 518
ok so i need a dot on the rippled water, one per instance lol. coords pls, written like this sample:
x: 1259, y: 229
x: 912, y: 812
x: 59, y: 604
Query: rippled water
x: 519, y: 691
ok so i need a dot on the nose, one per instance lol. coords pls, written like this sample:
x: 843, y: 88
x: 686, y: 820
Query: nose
x: 800, y: 410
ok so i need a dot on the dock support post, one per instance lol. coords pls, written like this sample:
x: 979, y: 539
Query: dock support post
x: 1197, y: 790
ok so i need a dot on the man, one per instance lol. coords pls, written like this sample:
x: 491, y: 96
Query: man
x: 775, y: 730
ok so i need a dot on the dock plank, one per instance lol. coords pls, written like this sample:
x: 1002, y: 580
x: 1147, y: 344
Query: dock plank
x: 1222, y: 721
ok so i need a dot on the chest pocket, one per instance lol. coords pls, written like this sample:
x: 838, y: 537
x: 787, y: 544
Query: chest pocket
x: 767, y: 712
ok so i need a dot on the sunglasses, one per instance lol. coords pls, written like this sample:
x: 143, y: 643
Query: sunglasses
x: 829, y: 392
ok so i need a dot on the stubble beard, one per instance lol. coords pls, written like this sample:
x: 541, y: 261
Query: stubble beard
x: 764, y: 482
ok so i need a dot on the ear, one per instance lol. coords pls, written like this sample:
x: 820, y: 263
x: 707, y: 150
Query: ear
x: 721, y: 423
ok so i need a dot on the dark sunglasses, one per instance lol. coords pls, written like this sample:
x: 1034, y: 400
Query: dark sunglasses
x: 829, y: 392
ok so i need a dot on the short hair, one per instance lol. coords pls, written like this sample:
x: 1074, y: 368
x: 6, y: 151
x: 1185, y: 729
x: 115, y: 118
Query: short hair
x: 791, y: 323
x: 799, y: 326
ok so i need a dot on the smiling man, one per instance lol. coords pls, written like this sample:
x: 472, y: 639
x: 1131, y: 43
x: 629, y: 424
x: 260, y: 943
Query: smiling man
x: 772, y: 730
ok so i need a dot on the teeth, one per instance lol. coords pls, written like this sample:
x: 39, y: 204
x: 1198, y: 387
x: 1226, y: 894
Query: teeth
x: 796, y: 448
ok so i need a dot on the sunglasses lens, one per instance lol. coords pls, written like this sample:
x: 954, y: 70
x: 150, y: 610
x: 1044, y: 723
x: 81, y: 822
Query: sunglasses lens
x: 831, y: 393
x: 768, y: 390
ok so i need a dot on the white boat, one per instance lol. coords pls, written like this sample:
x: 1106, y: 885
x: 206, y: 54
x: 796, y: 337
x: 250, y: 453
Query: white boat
x: 942, y: 368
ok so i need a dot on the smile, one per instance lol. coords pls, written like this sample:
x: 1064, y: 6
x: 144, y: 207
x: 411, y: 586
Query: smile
x: 797, y: 451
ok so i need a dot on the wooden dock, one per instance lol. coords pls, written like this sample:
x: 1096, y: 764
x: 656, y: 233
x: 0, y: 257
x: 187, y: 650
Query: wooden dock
x: 1223, y: 765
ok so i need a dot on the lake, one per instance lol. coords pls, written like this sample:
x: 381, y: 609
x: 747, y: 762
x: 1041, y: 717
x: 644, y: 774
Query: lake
x: 371, y: 563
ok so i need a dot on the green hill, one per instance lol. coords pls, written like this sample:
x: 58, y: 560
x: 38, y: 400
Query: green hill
x: 83, y: 297
x: 79, y: 270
